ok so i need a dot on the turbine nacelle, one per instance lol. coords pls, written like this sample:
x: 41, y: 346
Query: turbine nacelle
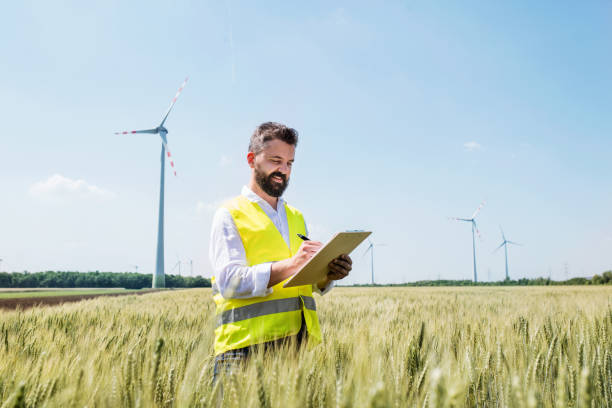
x: 505, y: 242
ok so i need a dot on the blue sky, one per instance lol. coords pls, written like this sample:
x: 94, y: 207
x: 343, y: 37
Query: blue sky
x: 408, y: 112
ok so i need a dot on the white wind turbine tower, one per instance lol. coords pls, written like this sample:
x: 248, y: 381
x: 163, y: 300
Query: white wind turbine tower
x: 505, y: 245
x: 472, y: 220
x: 371, y: 249
x: 159, y: 279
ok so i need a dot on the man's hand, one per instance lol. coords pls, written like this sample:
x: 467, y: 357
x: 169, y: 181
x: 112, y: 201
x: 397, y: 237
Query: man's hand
x: 339, y: 268
x: 281, y: 270
x: 307, y: 250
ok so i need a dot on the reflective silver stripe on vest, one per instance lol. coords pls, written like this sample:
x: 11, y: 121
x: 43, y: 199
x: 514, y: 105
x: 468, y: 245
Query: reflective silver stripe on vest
x: 265, y: 308
x: 309, y: 303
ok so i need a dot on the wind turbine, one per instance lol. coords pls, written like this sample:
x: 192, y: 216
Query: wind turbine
x: 178, y: 263
x: 505, y: 245
x: 472, y: 220
x: 159, y: 279
x: 371, y: 249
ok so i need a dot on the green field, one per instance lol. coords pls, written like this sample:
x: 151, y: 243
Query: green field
x: 383, y: 347
x: 59, y: 292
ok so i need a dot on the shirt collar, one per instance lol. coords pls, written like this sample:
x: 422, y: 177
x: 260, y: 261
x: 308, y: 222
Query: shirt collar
x: 248, y: 193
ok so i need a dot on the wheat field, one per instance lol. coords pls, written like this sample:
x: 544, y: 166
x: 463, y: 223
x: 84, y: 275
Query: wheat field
x: 383, y: 347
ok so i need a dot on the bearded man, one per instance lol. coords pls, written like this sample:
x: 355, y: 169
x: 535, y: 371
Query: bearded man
x: 255, y: 248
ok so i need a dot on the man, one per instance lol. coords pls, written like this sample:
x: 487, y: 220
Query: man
x: 254, y: 248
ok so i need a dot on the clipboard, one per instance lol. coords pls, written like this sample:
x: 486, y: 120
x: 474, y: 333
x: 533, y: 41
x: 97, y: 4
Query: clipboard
x: 315, y: 270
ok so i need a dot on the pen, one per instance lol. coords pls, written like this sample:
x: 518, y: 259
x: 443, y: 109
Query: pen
x: 303, y: 237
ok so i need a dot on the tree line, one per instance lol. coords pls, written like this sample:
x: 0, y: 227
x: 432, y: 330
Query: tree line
x: 604, y: 279
x: 131, y: 280
x: 127, y: 280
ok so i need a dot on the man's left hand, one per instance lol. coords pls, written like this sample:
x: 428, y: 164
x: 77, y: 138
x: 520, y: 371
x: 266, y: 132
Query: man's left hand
x: 340, y: 267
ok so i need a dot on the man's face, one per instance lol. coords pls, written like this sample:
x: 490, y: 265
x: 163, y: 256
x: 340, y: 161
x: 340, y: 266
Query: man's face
x: 272, y: 166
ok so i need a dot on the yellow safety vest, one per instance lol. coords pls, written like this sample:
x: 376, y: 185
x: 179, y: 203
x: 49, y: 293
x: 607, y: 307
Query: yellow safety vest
x: 245, y: 322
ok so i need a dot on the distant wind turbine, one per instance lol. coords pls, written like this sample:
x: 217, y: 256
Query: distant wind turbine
x: 472, y: 220
x: 371, y: 249
x: 159, y: 278
x: 178, y: 263
x: 505, y: 245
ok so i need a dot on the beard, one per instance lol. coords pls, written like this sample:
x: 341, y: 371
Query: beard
x: 270, y: 187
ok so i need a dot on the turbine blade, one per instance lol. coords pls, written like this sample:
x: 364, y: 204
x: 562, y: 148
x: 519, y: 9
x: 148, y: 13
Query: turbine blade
x: 502, y: 232
x: 500, y: 245
x: 127, y: 132
x: 515, y: 243
x: 165, y: 143
x: 173, y: 101
x: 478, y: 210
x: 459, y: 219
x: 476, y: 228
x: 367, y: 249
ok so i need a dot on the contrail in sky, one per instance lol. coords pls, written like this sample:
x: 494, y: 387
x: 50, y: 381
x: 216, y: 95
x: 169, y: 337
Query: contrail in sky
x: 231, y: 39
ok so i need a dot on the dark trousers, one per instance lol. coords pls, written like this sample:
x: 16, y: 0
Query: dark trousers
x: 232, y: 359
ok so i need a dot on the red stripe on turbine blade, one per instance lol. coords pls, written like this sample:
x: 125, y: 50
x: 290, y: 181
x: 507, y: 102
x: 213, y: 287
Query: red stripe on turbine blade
x: 133, y: 131
x: 168, y: 153
x: 172, y: 163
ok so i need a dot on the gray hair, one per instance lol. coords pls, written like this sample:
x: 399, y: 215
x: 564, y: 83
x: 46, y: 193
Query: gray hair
x: 269, y: 131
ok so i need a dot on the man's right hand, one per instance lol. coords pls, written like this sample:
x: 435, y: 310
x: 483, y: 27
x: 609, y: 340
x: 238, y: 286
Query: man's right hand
x: 307, y: 250
x: 281, y: 270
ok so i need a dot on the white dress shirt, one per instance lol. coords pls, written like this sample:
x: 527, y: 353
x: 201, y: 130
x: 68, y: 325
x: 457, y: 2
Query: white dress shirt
x: 233, y: 277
